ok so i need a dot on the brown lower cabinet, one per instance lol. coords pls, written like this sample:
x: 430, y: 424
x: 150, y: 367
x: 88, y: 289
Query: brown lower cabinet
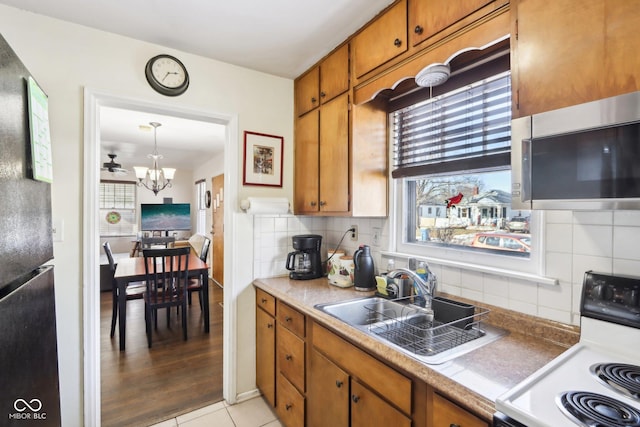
x: 334, y: 394
x: 314, y: 377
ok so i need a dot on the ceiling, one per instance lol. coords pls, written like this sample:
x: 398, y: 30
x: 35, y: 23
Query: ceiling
x: 279, y: 37
x: 183, y: 143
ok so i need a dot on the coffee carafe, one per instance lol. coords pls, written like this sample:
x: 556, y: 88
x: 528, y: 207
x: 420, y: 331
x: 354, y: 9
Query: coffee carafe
x: 305, y: 263
x: 364, y: 277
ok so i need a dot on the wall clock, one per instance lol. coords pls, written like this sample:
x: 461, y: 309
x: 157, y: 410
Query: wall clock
x: 167, y: 75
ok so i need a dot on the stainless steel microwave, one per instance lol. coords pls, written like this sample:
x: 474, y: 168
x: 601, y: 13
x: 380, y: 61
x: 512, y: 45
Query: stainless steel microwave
x: 584, y: 157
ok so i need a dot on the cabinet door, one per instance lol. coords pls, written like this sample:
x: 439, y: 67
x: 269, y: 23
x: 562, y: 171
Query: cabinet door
x: 306, y: 163
x: 428, y: 17
x: 582, y: 55
x: 369, y: 410
x: 381, y: 41
x: 307, y: 91
x: 328, y: 393
x: 446, y: 414
x: 266, y: 355
x: 334, y: 74
x: 334, y: 155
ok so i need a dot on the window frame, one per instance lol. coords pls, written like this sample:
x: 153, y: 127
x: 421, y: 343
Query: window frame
x: 201, y: 211
x: 456, y: 256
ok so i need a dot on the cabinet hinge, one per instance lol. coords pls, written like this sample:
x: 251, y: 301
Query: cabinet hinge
x: 516, y: 29
x: 517, y: 99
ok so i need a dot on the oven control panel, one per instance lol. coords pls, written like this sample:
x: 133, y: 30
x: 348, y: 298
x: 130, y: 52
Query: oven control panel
x: 612, y: 298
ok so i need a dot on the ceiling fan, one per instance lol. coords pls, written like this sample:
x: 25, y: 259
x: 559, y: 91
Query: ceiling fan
x: 113, y: 167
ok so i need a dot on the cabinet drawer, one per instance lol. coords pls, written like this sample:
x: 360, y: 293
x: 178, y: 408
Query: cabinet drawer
x: 446, y: 414
x: 291, y: 319
x: 290, y: 351
x: 385, y: 380
x: 290, y: 407
x: 266, y: 302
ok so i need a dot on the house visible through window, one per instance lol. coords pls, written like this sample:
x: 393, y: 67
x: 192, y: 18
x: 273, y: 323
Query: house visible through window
x: 452, y: 164
x: 117, y: 208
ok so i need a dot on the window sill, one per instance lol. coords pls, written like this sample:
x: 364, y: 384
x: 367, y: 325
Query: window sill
x: 476, y: 267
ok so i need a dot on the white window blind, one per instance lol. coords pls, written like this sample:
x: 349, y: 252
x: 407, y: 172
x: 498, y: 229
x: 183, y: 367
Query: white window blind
x: 117, y: 202
x: 465, y: 129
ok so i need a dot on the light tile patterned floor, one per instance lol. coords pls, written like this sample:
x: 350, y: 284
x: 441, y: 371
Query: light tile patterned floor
x: 251, y: 413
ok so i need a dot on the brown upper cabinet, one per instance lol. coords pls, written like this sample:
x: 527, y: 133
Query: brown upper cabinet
x: 384, y: 39
x: 323, y: 82
x: 585, y: 52
x: 429, y: 17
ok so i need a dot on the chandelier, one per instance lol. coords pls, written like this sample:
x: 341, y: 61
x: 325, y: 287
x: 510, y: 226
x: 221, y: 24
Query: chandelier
x: 154, y: 178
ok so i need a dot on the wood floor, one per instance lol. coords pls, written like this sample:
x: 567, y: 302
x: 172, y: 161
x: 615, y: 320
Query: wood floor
x: 142, y: 386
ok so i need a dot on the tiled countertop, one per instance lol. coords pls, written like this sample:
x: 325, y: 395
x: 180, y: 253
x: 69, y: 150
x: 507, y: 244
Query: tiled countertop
x: 473, y: 380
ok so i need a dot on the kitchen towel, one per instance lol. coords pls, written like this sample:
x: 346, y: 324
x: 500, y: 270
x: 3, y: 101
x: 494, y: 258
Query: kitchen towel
x: 265, y: 205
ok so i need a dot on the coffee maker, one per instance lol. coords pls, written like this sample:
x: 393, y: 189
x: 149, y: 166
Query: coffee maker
x: 305, y: 262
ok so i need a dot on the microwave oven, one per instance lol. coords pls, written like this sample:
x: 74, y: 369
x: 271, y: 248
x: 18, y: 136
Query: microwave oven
x: 583, y: 157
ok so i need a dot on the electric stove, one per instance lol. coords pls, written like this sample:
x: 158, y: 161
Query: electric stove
x: 595, y: 383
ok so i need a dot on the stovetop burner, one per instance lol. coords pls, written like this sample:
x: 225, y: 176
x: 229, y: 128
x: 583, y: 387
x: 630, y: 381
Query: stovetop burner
x: 596, y: 410
x: 620, y: 377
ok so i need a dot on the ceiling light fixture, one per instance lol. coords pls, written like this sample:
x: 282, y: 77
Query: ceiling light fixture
x: 433, y: 75
x: 154, y: 179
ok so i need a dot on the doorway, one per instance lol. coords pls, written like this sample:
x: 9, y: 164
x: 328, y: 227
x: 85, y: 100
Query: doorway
x: 91, y: 295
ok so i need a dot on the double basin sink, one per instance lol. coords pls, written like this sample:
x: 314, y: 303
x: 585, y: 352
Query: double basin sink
x: 450, y: 329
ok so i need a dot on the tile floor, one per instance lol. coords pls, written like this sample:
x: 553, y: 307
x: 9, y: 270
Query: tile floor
x: 250, y: 413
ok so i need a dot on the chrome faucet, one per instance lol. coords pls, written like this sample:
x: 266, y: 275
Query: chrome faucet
x: 424, y: 289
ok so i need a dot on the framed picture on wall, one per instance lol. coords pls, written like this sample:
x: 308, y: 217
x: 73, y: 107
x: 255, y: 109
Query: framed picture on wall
x: 262, y: 159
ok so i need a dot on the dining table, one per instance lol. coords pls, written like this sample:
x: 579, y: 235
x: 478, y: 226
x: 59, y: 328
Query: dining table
x: 132, y: 270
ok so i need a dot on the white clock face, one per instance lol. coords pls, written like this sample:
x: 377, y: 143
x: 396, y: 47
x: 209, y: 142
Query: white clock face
x: 168, y: 72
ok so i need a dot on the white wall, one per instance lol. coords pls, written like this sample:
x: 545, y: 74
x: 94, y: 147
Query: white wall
x: 206, y: 171
x: 65, y: 59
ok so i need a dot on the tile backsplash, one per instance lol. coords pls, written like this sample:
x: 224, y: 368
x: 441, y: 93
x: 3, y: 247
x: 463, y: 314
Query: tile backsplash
x: 575, y: 242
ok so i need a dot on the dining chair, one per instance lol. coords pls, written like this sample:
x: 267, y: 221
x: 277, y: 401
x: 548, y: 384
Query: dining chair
x: 196, y: 283
x: 134, y: 290
x: 167, y: 278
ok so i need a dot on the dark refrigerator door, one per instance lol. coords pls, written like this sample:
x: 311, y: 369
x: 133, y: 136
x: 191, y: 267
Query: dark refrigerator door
x: 29, y: 395
x: 25, y: 204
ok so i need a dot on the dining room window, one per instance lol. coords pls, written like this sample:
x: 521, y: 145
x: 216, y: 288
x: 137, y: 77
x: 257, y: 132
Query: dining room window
x: 201, y: 216
x: 117, y: 208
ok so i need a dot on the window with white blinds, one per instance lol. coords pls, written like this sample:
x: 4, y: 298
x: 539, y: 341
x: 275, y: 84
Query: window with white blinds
x: 117, y: 204
x: 463, y: 130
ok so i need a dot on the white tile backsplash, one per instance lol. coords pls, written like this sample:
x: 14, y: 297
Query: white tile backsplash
x: 604, y: 241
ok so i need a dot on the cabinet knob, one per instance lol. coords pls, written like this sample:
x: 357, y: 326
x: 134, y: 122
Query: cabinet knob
x: 355, y: 398
x: 264, y: 300
x: 418, y: 29
x: 287, y: 319
x: 454, y: 425
x: 338, y: 383
x: 313, y: 100
x: 288, y: 406
x: 397, y: 42
x: 288, y: 357
x: 322, y: 94
x: 322, y: 203
x: 269, y: 325
x: 313, y: 204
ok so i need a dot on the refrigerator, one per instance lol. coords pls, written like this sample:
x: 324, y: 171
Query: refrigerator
x: 29, y: 382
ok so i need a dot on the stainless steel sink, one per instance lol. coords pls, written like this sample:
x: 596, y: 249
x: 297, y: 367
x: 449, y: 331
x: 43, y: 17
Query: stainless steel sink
x: 450, y: 330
